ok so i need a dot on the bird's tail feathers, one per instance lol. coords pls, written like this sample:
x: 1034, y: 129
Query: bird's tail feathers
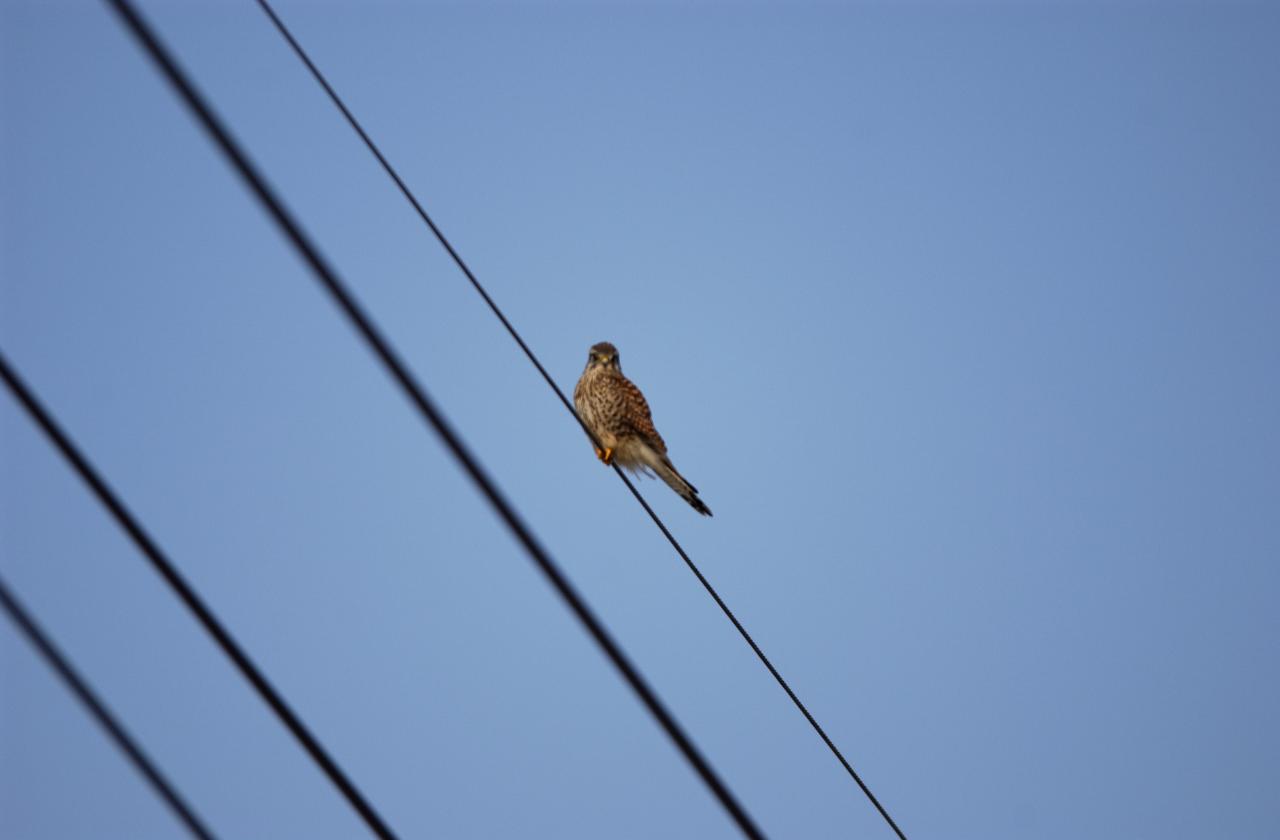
x: 668, y: 473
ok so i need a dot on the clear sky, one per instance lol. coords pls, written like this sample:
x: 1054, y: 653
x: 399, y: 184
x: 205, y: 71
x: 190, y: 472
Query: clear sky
x: 963, y: 318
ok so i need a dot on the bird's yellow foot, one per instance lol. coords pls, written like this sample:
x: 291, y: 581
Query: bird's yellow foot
x: 605, y: 455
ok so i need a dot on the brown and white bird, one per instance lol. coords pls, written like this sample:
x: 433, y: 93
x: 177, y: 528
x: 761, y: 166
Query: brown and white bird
x: 616, y: 413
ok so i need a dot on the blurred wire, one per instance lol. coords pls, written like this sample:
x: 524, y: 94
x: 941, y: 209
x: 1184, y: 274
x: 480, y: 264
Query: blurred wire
x: 80, y: 688
x: 188, y: 596
x: 329, y: 279
x: 422, y: 213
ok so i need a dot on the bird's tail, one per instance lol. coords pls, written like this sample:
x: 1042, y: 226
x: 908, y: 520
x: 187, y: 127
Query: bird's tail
x: 668, y: 473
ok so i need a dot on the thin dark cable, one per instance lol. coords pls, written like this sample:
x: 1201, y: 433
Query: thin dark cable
x: 80, y: 688
x: 329, y: 279
x: 183, y: 590
x: 417, y: 206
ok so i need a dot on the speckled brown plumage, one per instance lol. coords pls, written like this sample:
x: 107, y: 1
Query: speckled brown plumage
x: 615, y: 411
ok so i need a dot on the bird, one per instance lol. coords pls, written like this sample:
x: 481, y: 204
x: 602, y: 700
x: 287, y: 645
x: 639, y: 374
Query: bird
x: 615, y: 412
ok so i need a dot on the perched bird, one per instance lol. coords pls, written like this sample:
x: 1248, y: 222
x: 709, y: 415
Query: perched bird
x: 616, y: 413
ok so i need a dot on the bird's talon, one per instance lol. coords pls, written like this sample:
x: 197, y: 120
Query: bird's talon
x: 605, y: 455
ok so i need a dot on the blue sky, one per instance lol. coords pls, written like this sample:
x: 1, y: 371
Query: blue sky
x: 961, y: 317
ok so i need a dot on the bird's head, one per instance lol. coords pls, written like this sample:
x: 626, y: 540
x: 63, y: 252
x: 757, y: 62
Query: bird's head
x: 603, y: 355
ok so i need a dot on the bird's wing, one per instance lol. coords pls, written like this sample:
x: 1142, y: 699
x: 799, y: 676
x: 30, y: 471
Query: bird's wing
x: 639, y: 418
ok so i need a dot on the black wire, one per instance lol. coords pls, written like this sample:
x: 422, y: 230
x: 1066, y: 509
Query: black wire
x: 329, y: 279
x: 80, y: 688
x: 183, y: 590
x: 408, y: 194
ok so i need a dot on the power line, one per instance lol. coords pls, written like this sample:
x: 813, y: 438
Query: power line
x: 329, y: 279
x: 81, y: 689
x: 188, y: 596
x: 422, y: 213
